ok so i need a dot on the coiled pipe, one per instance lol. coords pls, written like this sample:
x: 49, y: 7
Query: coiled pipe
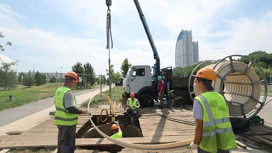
x: 238, y: 83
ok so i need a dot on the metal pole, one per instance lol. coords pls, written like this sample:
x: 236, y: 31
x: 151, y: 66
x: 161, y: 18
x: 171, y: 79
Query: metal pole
x: 60, y: 76
x: 109, y: 76
x: 100, y: 87
x: 56, y: 80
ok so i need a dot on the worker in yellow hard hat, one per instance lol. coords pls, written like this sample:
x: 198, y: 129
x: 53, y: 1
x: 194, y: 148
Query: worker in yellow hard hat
x: 213, y: 130
x: 66, y: 115
x: 116, y: 131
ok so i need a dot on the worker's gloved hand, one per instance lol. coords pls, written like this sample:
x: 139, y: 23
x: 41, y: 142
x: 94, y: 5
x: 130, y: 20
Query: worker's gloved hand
x: 193, y: 146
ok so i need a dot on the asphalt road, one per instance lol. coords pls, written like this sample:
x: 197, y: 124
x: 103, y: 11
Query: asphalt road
x: 10, y: 115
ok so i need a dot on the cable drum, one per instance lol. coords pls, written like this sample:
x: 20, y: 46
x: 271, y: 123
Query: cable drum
x: 239, y: 84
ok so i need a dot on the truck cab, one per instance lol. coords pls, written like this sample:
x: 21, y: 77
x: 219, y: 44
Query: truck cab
x: 139, y: 80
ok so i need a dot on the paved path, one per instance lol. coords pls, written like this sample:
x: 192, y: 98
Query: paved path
x: 27, y: 116
x: 266, y: 112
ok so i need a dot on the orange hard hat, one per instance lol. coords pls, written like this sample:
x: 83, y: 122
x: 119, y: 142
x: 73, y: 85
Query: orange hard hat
x: 114, y: 127
x: 206, y: 73
x: 132, y: 94
x: 71, y: 74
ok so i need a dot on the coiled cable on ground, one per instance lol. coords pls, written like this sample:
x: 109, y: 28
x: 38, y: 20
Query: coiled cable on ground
x: 239, y: 84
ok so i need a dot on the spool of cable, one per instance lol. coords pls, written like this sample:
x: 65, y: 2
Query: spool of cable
x: 239, y: 84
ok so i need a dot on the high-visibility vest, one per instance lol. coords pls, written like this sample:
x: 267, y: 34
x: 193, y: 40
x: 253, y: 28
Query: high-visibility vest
x: 132, y: 103
x: 62, y: 116
x: 117, y: 135
x: 217, y: 131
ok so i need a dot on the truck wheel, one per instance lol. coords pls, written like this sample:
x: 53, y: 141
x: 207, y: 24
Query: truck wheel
x: 146, y: 100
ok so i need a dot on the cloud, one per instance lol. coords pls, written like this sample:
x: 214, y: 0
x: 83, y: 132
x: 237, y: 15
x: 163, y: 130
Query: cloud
x: 216, y: 25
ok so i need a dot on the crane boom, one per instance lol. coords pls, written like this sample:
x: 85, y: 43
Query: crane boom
x: 149, y: 36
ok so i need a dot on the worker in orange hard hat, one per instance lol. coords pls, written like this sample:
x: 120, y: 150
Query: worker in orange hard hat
x: 131, y: 110
x: 116, y: 131
x: 211, y: 115
x: 66, y: 115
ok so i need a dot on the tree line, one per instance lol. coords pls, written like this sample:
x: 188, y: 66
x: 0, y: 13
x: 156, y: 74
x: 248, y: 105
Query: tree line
x: 87, y: 77
x: 262, y: 59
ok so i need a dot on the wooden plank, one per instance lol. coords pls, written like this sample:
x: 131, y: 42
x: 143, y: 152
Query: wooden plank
x: 4, y: 151
x: 94, y: 142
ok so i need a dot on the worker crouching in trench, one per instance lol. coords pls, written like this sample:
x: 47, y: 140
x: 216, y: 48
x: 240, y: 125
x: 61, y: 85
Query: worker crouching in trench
x: 131, y: 110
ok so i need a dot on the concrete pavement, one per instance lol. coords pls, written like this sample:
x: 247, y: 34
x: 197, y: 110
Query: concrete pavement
x: 25, y: 117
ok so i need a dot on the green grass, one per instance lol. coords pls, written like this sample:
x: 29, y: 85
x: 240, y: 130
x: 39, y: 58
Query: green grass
x: 24, y: 95
x: 116, y: 95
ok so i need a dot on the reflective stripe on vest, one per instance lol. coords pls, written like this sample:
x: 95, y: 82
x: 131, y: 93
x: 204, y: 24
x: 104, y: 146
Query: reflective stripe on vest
x: 217, y: 133
x: 62, y: 116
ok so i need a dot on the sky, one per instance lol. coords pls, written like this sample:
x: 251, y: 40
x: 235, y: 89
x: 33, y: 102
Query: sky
x: 52, y: 36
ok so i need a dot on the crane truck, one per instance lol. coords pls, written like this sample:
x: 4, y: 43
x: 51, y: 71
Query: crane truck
x: 139, y: 78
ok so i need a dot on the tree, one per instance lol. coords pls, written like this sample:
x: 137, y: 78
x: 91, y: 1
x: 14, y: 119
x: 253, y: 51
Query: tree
x: 7, y: 43
x: 28, y: 79
x: 8, y: 77
x: 124, y: 67
x: 104, y: 80
x: 116, y: 77
x: 79, y: 69
x: 40, y: 79
x: 111, y: 72
x: 90, y: 75
x: 262, y: 58
x: 21, y: 77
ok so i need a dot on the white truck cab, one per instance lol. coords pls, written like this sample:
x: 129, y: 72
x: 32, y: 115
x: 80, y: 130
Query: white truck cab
x: 139, y: 80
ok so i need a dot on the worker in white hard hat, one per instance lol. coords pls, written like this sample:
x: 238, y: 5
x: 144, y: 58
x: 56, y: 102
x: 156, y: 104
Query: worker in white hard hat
x: 213, y: 130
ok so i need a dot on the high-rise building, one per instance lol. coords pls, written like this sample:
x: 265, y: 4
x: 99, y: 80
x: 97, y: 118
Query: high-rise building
x: 186, y: 50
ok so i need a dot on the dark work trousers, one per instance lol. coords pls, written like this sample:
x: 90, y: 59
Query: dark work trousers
x: 66, y: 139
x: 199, y: 150
x: 134, y: 114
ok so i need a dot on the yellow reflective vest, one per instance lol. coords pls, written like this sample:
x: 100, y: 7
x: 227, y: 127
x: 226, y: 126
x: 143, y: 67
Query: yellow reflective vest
x: 217, y: 130
x: 132, y: 103
x: 62, y: 116
x: 117, y: 135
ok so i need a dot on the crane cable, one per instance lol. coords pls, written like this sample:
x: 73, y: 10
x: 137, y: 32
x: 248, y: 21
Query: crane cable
x: 157, y: 148
x: 108, y: 28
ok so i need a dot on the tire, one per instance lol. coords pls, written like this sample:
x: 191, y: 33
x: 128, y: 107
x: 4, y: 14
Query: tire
x: 146, y: 100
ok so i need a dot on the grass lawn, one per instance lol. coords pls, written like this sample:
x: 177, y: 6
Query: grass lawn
x: 21, y: 96
x: 116, y: 96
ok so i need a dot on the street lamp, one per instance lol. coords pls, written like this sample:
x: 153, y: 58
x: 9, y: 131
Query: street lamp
x: 61, y: 76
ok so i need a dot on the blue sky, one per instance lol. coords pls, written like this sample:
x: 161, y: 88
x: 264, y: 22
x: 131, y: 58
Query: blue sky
x: 50, y: 36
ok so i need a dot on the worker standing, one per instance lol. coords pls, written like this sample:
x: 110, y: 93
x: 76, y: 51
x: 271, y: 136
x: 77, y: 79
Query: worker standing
x: 160, y: 89
x: 66, y: 116
x: 213, y: 131
x: 116, y: 131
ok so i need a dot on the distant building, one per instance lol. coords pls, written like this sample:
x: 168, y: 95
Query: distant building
x: 187, y: 52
